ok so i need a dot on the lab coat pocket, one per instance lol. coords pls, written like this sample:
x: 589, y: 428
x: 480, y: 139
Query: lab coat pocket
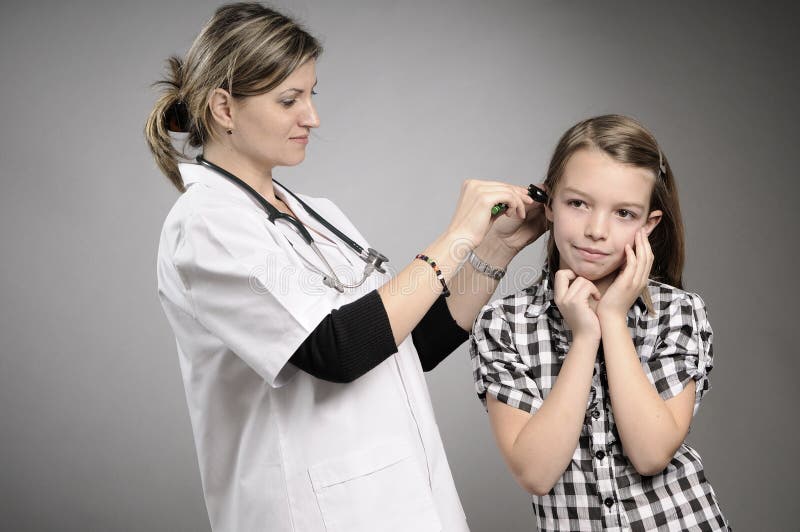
x: 376, y: 489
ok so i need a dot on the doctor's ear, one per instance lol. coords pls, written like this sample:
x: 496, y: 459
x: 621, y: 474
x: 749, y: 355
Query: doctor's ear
x: 220, y: 103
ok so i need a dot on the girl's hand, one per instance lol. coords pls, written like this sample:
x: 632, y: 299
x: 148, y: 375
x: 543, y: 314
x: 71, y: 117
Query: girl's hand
x: 576, y: 298
x: 516, y: 233
x: 473, y: 217
x: 630, y: 282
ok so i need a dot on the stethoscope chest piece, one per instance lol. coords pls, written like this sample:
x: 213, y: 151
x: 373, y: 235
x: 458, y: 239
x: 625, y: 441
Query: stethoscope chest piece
x: 376, y: 259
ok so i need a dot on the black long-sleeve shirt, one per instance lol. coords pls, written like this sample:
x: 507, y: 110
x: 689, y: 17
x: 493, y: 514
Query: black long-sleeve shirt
x: 355, y: 338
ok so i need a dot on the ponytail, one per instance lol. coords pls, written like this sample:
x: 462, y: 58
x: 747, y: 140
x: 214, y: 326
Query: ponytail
x: 169, y: 114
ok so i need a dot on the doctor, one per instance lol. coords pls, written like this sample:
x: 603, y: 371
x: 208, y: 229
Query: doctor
x: 305, y: 388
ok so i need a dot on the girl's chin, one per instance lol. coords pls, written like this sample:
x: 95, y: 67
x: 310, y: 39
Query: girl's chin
x: 595, y: 274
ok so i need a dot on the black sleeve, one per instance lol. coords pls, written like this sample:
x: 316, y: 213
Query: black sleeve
x: 437, y: 335
x: 348, y: 342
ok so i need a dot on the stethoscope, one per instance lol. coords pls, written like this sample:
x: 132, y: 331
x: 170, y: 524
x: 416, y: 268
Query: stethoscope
x: 373, y: 258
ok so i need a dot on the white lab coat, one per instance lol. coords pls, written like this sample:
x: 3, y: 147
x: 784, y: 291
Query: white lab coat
x: 278, y: 449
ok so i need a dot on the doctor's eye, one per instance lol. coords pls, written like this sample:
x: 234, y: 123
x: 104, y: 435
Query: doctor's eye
x: 289, y: 102
x: 314, y: 93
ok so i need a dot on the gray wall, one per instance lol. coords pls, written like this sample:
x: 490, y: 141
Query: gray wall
x: 414, y: 98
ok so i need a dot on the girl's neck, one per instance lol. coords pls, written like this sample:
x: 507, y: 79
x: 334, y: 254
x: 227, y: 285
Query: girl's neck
x: 259, y: 178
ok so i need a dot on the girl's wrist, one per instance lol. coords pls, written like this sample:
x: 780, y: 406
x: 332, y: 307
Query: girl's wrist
x: 612, y: 318
x: 586, y: 341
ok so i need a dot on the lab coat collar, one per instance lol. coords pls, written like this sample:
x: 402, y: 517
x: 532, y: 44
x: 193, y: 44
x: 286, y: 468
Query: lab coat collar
x: 192, y: 173
x: 196, y: 173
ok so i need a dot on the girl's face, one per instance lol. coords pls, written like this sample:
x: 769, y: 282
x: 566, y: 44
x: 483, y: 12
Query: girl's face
x: 598, y: 206
x: 272, y: 129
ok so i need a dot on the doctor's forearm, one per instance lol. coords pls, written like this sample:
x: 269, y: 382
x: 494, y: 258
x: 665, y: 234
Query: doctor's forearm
x: 409, y: 295
x: 470, y: 289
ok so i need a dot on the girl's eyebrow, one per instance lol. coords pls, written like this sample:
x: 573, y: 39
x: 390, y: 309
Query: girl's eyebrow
x: 633, y: 205
x: 576, y: 191
x: 624, y: 204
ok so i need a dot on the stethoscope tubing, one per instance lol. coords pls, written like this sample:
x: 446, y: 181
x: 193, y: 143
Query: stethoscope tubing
x: 274, y: 214
x: 373, y: 258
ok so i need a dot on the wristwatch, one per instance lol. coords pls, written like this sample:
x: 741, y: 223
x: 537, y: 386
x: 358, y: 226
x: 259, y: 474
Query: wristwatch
x: 479, y: 265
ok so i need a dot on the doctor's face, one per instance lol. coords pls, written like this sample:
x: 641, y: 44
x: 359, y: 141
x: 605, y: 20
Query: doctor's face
x: 272, y: 129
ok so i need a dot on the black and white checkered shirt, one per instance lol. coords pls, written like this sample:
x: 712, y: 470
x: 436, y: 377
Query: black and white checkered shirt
x: 517, y: 348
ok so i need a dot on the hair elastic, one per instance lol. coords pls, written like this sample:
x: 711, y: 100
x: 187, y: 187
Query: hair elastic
x: 176, y: 117
x: 439, y: 275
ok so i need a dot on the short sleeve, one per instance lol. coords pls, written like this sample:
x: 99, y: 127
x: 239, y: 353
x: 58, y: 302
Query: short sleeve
x: 684, y: 350
x: 497, y: 367
x: 244, y: 289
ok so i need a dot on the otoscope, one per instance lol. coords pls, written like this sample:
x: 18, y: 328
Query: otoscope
x: 533, y: 191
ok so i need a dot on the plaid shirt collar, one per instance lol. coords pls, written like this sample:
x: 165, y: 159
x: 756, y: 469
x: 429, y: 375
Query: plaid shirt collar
x: 543, y: 297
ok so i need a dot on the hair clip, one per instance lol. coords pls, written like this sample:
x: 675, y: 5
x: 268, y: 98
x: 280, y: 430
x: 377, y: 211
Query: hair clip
x: 661, y: 165
x: 176, y: 117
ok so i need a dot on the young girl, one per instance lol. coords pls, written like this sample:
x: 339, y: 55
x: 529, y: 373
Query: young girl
x: 592, y: 375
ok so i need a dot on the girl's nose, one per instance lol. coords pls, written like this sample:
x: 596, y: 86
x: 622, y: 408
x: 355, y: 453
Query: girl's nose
x: 596, y: 227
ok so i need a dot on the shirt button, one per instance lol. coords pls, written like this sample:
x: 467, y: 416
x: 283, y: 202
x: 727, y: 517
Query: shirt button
x: 600, y: 455
x: 595, y: 414
x: 609, y: 502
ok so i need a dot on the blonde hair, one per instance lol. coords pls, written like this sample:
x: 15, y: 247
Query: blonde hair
x: 628, y: 142
x: 246, y: 49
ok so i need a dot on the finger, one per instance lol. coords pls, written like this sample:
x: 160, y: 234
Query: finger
x: 486, y: 187
x: 647, y: 259
x: 594, y: 298
x: 641, y: 259
x: 630, y: 264
x: 579, y: 289
x: 506, y: 194
x: 562, y: 281
x: 650, y: 255
x: 588, y: 289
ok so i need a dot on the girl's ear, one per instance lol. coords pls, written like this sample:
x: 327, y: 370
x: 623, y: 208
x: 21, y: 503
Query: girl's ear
x: 652, y: 221
x: 548, y: 212
x: 220, y: 103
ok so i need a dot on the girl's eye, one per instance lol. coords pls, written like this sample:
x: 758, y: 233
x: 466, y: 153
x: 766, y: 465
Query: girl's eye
x: 575, y: 203
x: 625, y: 213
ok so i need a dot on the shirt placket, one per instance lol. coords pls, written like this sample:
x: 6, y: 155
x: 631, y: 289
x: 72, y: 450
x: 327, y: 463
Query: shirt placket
x: 601, y: 438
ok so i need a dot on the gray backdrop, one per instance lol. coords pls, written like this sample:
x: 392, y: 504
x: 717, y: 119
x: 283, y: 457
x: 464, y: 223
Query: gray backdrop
x: 414, y: 98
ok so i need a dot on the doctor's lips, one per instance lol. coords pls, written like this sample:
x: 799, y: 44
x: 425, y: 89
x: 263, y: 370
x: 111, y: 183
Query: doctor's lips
x: 536, y: 193
x: 302, y: 139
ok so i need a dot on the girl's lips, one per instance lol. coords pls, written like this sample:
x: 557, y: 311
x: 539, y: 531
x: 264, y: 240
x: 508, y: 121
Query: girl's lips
x: 590, y: 253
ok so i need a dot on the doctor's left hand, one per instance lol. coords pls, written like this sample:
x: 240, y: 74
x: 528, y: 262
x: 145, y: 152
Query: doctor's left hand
x: 516, y: 233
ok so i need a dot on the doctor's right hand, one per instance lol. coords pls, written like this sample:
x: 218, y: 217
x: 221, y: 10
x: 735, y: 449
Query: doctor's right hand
x: 473, y: 217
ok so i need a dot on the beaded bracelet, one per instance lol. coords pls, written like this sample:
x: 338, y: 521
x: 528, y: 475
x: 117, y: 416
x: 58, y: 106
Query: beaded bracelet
x: 439, y: 274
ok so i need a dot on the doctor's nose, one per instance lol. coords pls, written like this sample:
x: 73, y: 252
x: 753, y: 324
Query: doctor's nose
x: 310, y: 118
x: 596, y: 227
